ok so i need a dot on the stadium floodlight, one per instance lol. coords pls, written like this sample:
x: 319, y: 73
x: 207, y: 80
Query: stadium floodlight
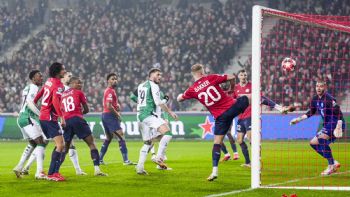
x: 281, y: 154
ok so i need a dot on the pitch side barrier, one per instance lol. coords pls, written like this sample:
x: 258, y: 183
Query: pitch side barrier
x: 192, y: 125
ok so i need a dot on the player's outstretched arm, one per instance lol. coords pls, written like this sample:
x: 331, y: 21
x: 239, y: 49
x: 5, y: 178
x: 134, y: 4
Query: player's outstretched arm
x: 180, y: 98
x: 283, y: 109
x: 298, y: 119
x: 165, y: 108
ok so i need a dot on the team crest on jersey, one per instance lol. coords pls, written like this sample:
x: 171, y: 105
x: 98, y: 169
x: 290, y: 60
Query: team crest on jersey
x: 246, y: 90
x: 109, y: 95
x: 60, y: 90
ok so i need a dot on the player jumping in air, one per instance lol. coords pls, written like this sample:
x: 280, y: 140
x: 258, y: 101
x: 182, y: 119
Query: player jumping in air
x: 148, y: 99
x: 28, y: 121
x: 50, y: 111
x: 224, y: 108
x: 333, y: 125
x: 111, y: 120
x: 73, y: 99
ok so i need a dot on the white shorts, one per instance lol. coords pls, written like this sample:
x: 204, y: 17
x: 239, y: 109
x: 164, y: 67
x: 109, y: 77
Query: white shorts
x: 149, y: 127
x: 31, y: 132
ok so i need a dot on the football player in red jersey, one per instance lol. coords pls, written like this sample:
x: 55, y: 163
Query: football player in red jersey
x: 72, y: 101
x: 224, y: 108
x: 50, y: 111
x: 111, y: 120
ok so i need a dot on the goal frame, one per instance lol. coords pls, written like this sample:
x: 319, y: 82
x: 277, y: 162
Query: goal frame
x: 256, y: 100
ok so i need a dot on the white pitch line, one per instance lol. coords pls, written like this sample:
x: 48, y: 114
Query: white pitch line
x: 271, y: 186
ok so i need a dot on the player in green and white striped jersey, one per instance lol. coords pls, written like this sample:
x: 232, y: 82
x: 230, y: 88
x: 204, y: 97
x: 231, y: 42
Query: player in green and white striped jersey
x: 150, y: 133
x: 28, y: 121
x: 148, y: 101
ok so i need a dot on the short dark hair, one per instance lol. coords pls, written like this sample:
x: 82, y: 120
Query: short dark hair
x: 153, y: 70
x: 55, y: 69
x: 111, y: 75
x: 242, y: 71
x: 74, y: 78
x: 33, y: 73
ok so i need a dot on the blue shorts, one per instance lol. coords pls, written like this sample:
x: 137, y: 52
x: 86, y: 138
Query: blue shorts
x: 76, y: 126
x: 110, y: 122
x: 224, y: 121
x: 328, y: 130
x: 244, y: 125
x: 51, y: 129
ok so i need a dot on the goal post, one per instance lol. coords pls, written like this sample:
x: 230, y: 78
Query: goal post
x: 281, y: 154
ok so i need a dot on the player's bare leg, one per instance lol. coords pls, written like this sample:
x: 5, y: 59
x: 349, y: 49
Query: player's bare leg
x: 216, y: 156
x: 320, y: 144
x: 94, y: 155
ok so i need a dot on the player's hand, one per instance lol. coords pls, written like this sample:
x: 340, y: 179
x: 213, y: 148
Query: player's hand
x: 338, y: 131
x: 179, y: 98
x: 173, y: 115
x: 286, y: 109
x: 119, y: 116
x: 294, y: 121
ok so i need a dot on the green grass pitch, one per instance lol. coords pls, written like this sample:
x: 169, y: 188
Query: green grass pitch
x: 191, y: 161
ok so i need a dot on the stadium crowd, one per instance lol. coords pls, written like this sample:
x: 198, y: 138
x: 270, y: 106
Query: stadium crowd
x: 16, y: 24
x: 102, y: 38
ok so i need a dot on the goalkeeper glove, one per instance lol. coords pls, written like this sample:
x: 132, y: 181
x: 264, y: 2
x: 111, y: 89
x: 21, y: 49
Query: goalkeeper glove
x: 338, y: 131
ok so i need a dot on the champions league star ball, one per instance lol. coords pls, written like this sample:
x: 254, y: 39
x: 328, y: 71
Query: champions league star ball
x: 288, y: 64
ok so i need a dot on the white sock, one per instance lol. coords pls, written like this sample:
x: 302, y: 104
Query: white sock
x: 143, y: 155
x: 40, y: 154
x: 163, y: 145
x: 25, y: 155
x: 153, y: 150
x: 215, y: 171
x: 73, y: 155
x: 97, y: 169
x: 30, y: 161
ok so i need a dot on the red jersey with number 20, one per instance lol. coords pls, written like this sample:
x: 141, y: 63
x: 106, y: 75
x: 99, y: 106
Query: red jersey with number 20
x: 71, y: 102
x: 50, y: 103
x: 110, y: 96
x: 208, y: 92
x: 239, y: 90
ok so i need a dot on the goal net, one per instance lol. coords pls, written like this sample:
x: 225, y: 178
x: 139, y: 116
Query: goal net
x: 281, y: 154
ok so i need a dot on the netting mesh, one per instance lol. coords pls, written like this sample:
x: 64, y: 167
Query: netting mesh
x: 320, y: 45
